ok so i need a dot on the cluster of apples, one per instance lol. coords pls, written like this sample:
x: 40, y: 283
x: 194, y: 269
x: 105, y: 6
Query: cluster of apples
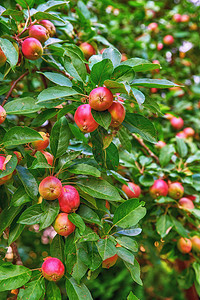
x: 177, y: 124
x: 186, y: 245
x: 100, y: 99
x: 167, y: 40
x: 38, y: 34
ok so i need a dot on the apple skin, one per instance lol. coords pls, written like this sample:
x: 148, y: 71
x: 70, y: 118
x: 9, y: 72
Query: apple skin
x: 181, y: 135
x: 176, y: 190
x: 49, y: 157
x: 19, y: 156
x: 69, y: 199
x: 186, y: 203
x: 160, y: 46
x: 124, y: 57
x: 160, y: 144
x: 39, y: 32
x: 32, y: 48
x: 100, y: 98
x: 6, y: 178
x: 84, y: 119
x: 153, y: 27
x: 189, y: 131
x: 50, y: 188
x: 49, y: 26
x: 3, y: 58
x: 87, y: 49
x: 185, y: 18
x: 196, y: 243
x: 184, y: 245
x: 2, y: 161
x: 41, y: 145
x: 63, y: 226
x: 109, y: 262
x: 117, y: 112
x: 129, y: 193
x: 177, y: 123
x: 53, y: 269
x: 191, y: 197
x: 177, y: 18
x: 168, y: 40
x: 2, y: 114
x: 159, y: 188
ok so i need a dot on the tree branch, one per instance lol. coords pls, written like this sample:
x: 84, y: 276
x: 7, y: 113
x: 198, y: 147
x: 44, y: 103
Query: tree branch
x: 151, y: 154
x: 16, y: 256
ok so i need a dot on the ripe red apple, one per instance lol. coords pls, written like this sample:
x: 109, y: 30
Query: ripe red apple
x: 177, y: 123
x: 2, y: 162
x: 129, y: 192
x: 3, y: 58
x: 159, y: 46
x: 176, y: 190
x: 2, y: 114
x: 181, y: 135
x: 100, y: 98
x: 117, y: 112
x: 88, y: 50
x: 195, y: 243
x: 124, y: 57
x: 5, y: 179
x: 177, y: 18
x: 189, y: 131
x: 160, y: 144
x: 50, y: 188
x: 19, y: 156
x: 191, y: 197
x: 153, y: 27
x: 62, y: 225
x: 159, y: 188
x: 84, y: 119
x: 49, y: 157
x: 52, y: 269
x: 107, y: 205
x: 155, y: 61
x: 184, y: 245
x: 101, y: 51
x: 49, y: 26
x: 168, y: 39
x: 154, y: 90
x: 69, y: 199
x: 32, y: 48
x: 168, y: 116
x: 41, y: 144
x: 109, y: 262
x: 186, y: 203
x: 185, y: 18
x: 39, y: 32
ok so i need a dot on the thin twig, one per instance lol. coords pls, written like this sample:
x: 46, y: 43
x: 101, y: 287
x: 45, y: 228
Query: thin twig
x: 16, y: 256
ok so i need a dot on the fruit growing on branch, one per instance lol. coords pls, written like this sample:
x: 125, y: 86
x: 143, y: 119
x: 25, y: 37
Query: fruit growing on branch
x: 176, y: 190
x: 3, y: 58
x: 87, y: 49
x: 159, y: 188
x: 184, y: 245
x: 84, y: 119
x: 132, y: 190
x: 50, y: 188
x: 32, y: 48
x: 53, y: 269
x: 69, y: 199
x: 186, y: 203
x: 49, y: 26
x: 62, y: 225
x: 117, y: 112
x: 41, y: 144
x: 196, y: 243
x: 39, y: 32
x: 2, y: 114
x: 100, y: 98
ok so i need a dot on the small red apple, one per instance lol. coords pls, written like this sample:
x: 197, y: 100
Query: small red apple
x: 168, y: 39
x: 52, y: 269
x: 196, y: 243
x: 100, y: 98
x: 39, y: 32
x: 154, y: 90
x: 160, y: 46
x: 3, y: 58
x: 49, y: 157
x: 181, y: 135
x: 88, y: 50
x: 109, y: 262
x: 19, y: 156
x: 84, y: 119
x: 117, y: 112
x: 189, y: 131
x: 177, y: 123
x: 153, y: 27
x: 41, y: 144
x: 177, y: 18
x: 2, y: 114
x: 160, y: 144
x: 176, y: 190
x: 62, y: 225
x: 131, y: 194
x: 49, y: 26
x: 159, y: 188
x: 184, y: 245
x: 50, y: 188
x: 32, y: 48
x: 185, y: 18
x: 69, y: 199
x: 186, y: 203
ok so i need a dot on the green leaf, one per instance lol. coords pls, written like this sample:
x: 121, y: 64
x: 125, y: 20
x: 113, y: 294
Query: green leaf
x: 140, y: 65
x: 34, y: 290
x: 10, y: 166
x: 29, y: 182
x: 128, y: 243
x: 106, y: 248
x: 153, y: 83
x: 7, y: 216
x: 112, y: 157
x: 20, y: 197
x: 97, y: 147
x: 77, y: 221
x: 9, y: 51
x: 55, y: 93
x: 146, y: 180
x: 99, y: 189
x: 129, y: 213
x: 59, y: 139
x: 138, y: 95
x: 57, y: 247
x: 163, y: 224
x: 43, y: 116
x: 123, y: 73
x: 113, y: 54
x: 103, y: 118
x: 136, y: 123
x: 46, y: 16
x: 88, y: 236
x: 18, y: 135
x: 132, y: 297
x: 77, y: 291
x: 31, y: 215
x: 57, y: 78
x: 196, y: 267
x: 101, y: 71
x: 74, y: 65
x: 53, y: 291
x: 181, y: 147
x: 26, y: 3
x: 117, y: 87
x: 13, y: 277
x: 166, y: 154
x: 89, y: 215
x: 84, y: 169
x: 14, y: 232
x: 178, y: 227
x: 135, y: 271
x: 51, y: 210
x: 65, y: 110
x: 125, y: 255
x: 124, y: 139
x: 22, y: 106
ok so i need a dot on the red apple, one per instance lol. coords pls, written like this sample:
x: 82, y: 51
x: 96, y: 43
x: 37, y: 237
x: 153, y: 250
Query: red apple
x: 153, y: 27
x: 177, y: 18
x: 2, y: 114
x: 176, y: 190
x: 177, y: 123
x: 184, y: 245
x: 2, y: 163
x: 191, y: 197
x: 39, y: 32
x: 6, y: 178
x: 50, y: 188
x: 159, y: 188
x: 19, y: 156
x: 88, y: 50
x: 69, y: 199
x: 3, y: 58
x: 185, y: 203
x: 185, y: 18
x: 196, y: 243
x: 159, y: 46
x: 189, y: 131
x: 84, y: 119
x: 154, y: 90
x: 52, y: 269
x: 117, y: 112
x: 181, y: 135
x: 49, y: 26
x: 131, y: 194
x: 168, y: 116
x: 160, y: 144
x: 62, y: 225
x: 32, y: 48
x: 124, y: 57
x: 41, y: 144
x: 100, y: 98
x: 109, y: 262
x: 168, y: 39
x: 49, y: 157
